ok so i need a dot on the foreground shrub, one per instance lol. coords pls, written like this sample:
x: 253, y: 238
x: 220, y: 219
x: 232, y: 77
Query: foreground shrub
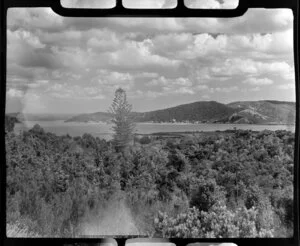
x: 218, y: 222
x: 184, y: 225
x: 20, y: 229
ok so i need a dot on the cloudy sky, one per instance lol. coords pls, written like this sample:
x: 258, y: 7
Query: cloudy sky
x: 73, y: 65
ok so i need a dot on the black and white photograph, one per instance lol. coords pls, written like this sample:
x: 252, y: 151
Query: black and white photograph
x: 150, y: 127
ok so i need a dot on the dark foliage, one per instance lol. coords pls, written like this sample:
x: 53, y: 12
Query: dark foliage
x: 228, y: 184
x: 10, y: 122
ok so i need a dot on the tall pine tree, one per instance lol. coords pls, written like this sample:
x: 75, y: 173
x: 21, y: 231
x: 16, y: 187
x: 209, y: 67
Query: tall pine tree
x: 123, y: 124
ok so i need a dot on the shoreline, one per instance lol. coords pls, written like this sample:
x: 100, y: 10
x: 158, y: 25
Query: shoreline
x: 166, y: 134
x: 204, y: 132
x: 184, y: 123
x: 217, y: 123
x: 147, y: 128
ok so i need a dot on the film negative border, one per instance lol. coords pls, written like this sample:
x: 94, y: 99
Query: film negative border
x: 180, y: 11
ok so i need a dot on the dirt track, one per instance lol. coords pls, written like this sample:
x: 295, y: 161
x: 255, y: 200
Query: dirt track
x: 114, y: 219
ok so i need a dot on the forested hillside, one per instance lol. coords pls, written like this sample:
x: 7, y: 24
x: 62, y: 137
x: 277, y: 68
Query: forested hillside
x: 253, y: 112
x: 198, y: 111
x: 228, y: 184
x: 99, y: 116
x: 266, y: 111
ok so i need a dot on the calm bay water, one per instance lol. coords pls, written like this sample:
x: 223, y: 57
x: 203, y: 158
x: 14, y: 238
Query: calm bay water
x: 103, y: 130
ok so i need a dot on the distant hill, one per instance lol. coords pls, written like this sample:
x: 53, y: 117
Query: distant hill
x: 262, y: 112
x: 98, y: 116
x: 198, y: 111
x: 205, y: 111
x: 244, y: 112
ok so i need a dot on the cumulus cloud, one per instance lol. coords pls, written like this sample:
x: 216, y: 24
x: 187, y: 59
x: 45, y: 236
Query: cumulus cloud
x: 112, y: 80
x: 66, y: 91
x: 191, y: 58
x: 237, y: 66
x: 146, y: 75
x: 137, y: 55
x: 290, y: 86
x: 63, y: 39
x: 258, y: 81
x: 24, y: 37
x: 269, y: 43
x: 187, y: 46
x: 26, y: 50
x: 225, y: 89
x: 167, y: 86
x: 38, y: 58
x: 184, y: 90
x: 38, y: 83
x: 162, y: 81
x: 14, y: 93
x: 172, y: 86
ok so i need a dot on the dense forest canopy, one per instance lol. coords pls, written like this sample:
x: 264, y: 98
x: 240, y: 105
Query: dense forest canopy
x: 225, y: 184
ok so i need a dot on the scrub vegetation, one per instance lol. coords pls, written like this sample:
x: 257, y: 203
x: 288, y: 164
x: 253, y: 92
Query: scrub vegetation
x: 227, y: 184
